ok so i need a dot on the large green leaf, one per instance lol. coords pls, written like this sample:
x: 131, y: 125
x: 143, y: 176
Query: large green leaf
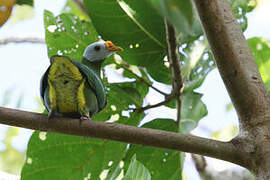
x: 137, y: 171
x: 179, y: 13
x: 67, y: 35
x: 136, y: 27
x: 162, y: 163
x: 55, y: 156
x: 261, y: 50
x: 27, y: 2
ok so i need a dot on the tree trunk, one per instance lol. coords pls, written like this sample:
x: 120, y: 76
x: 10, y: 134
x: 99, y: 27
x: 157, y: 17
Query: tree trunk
x: 243, y: 82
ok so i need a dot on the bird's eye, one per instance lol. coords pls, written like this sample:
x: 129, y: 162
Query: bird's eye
x: 97, y: 48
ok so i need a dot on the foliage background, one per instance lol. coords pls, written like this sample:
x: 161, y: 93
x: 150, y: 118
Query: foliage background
x: 36, y: 62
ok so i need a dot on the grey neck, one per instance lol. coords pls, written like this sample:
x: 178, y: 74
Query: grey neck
x: 96, y: 66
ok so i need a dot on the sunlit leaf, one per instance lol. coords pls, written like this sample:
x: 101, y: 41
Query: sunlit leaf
x: 225, y: 134
x: 11, y: 159
x: 136, y: 171
x: 21, y: 12
x: 72, y: 7
x: 261, y: 50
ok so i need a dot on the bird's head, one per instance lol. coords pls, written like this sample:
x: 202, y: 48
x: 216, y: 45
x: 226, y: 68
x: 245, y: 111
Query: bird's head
x: 100, y: 50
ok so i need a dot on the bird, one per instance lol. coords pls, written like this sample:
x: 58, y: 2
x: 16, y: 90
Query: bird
x: 74, y: 89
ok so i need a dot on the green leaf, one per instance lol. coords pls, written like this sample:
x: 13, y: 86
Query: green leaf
x: 72, y: 7
x: 137, y: 171
x: 21, y: 13
x: 11, y: 159
x: 192, y: 106
x: 197, y: 62
x: 261, y: 50
x: 240, y: 8
x: 162, y: 163
x: 67, y: 35
x: 120, y: 97
x: 57, y: 156
x: 136, y: 27
x: 179, y: 13
x: 26, y: 2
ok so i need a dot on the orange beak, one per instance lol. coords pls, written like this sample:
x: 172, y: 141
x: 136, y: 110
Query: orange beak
x: 110, y: 46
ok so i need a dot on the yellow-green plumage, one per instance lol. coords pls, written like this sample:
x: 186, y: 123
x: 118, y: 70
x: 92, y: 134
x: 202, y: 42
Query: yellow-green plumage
x: 66, y: 87
x: 73, y: 88
x: 67, y: 90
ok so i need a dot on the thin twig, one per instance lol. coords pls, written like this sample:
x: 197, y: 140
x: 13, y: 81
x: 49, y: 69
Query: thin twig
x: 176, y: 76
x: 22, y: 40
x: 125, y: 67
x: 128, y: 134
x: 177, y: 81
x: 166, y: 101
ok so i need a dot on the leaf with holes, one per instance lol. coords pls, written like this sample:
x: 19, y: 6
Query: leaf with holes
x: 136, y: 27
x: 67, y: 35
x: 240, y: 8
x: 162, y: 163
x: 55, y: 156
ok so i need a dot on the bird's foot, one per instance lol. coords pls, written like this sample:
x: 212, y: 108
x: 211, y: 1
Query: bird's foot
x: 83, y: 118
x: 51, y: 114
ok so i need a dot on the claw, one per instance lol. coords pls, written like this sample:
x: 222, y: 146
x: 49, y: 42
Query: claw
x: 51, y: 114
x: 83, y: 118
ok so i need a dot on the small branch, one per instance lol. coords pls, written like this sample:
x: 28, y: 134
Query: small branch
x: 125, y: 67
x: 200, y: 162
x: 177, y: 81
x: 128, y: 134
x: 166, y: 101
x: 22, y: 40
x: 179, y: 104
x: 208, y: 173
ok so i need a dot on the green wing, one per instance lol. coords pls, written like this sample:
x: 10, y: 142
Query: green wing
x: 93, y: 79
x: 95, y: 83
x: 43, y: 86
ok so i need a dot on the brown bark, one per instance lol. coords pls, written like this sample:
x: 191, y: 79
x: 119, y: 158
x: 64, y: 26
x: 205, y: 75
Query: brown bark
x: 117, y: 132
x: 242, y: 79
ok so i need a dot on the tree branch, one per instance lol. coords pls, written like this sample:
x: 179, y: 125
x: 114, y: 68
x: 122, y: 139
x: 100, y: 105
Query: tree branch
x: 22, y: 40
x: 166, y: 101
x: 128, y: 134
x: 177, y: 81
x: 235, y: 61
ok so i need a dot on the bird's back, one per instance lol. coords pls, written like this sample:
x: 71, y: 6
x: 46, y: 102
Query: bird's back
x: 64, y: 81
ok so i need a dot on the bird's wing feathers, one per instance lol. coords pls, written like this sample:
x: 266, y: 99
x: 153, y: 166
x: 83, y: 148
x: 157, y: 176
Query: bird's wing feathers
x: 93, y: 79
x: 43, y: 86
x: 95, y: 83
